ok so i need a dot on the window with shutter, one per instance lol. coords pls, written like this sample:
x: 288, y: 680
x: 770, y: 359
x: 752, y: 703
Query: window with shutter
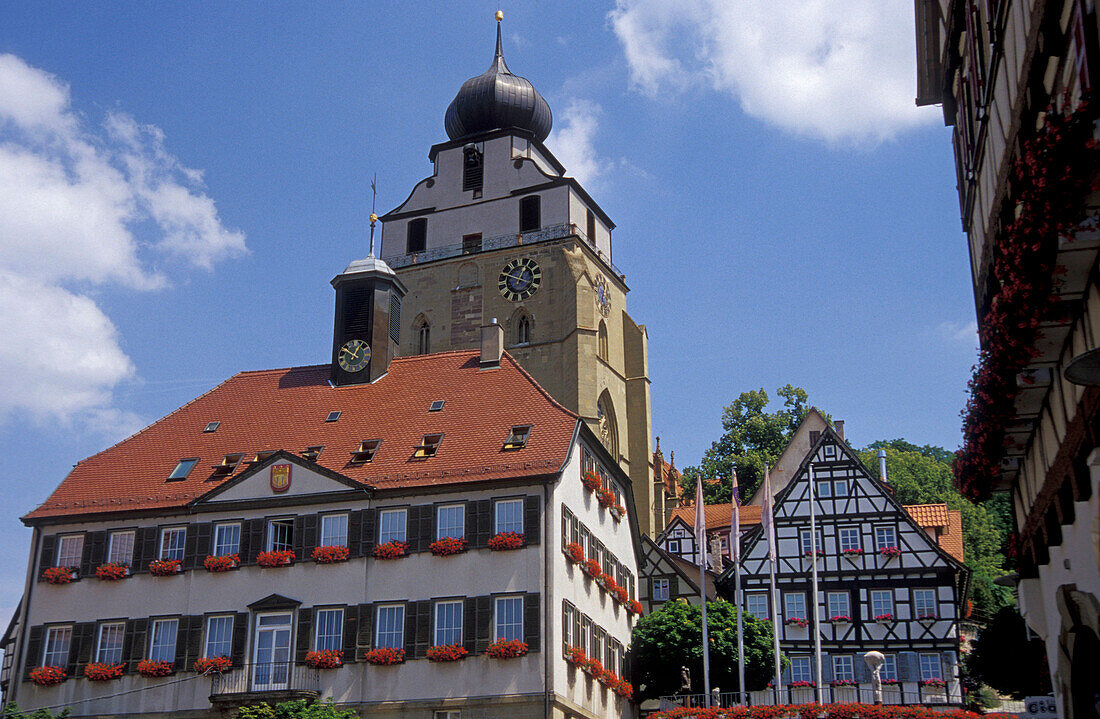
x: 390, y: 626
x: 219, y: 636
x: 58, y: 641
x: 334, y: 530
x: 109, y: 642
x: 329, y: 629
x: 70, y: 550
x: 227, y: 539
x: 162, y: 644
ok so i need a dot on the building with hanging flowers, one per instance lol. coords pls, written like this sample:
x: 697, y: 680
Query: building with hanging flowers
x: 1015, y: 81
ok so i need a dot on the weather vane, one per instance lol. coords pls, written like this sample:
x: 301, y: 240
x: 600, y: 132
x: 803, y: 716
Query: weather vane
x: 373, y: 216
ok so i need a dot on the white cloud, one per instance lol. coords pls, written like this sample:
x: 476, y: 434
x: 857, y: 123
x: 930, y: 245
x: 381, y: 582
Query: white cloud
x: 838, y: 70
x: 574, y: 143
x: 966, y: 332
x: 83, y: 205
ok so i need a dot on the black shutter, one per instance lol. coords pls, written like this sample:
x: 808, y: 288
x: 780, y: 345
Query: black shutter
x: 351, y: 631
x: 193, y: 641
x: 137, y: 630
x: 484, y: 623
x: 305, y: 626
x: 426, y: 530
x: 298, y: 541
x: 183, y: 634
x: 410, y: 630
x: 240, y: 638
x: 48, y: 555
x: 480, y: 522
x: 204, y: 542
x: 355, y: 540
x: 80, y: 649
x: 368, y: 531
x: 673, y: 587
x: 95, y: 550
x: 34, y: 649
x: 566, y: 625
x: 145, y: 548
x: 310, y: 533
x: 364, y: 639
x: 531, y: 631
x: 565, y: 525
x: 191, y: 548
x: 423, y: 627
x: 253, y: 537
x: 531, y: 530
x: 469, y: 624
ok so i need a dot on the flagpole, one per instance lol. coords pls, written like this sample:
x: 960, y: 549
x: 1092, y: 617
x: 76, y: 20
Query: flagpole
x: 700, y: 543
x: 772, y: 559
x: 813, y: 565
x: 735, y: 555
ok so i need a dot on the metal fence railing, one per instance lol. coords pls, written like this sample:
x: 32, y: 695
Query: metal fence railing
x: 269, y: 677
x: 891, y: 694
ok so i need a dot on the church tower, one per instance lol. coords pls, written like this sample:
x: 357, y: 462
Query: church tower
x: 366, y: 332
x: 499, y: 231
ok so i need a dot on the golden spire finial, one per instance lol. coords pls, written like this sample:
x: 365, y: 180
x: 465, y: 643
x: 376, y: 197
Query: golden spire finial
x: 500, y: 15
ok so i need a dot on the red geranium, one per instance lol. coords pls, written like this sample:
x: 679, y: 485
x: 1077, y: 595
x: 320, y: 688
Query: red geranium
x: 59, y: 575
x: 592, y: 481
x: 98, y: 672
x: 221, y: 563
x: 506, y: 649
x: 592, y: 568
x: 801, y: 685
x: 575, y: 552
x: 609, y: 583
x: 164, y: 567
x: 47, y: 676
x: 447, y: 653
x: 506, y: 540
x: 606, y: 498
x: 447, y: 546
x: 281, y: 558
x: 329, y: 555
x: 325, y: 659
x: 390, y: 550
x: 213, y: 665
x: 385, y: 655
x: 623, y: 688
x: 622, y: 596
x: 635, y: 606
x: 112, y: 571
x: 576, y: 656
x: 797, y: 622
x: 149, y: 668
x: 594, y: 667
x: 889, y: 552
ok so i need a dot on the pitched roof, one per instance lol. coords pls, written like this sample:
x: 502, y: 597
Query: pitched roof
x: 952, y: 539
x: 286, y: 409
x: 949, y: 521
x: 718, y: 516
x: 928, y: 515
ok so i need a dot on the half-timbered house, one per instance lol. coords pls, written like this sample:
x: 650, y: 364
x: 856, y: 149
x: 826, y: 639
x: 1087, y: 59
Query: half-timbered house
x: 666, y: 578
x: 884, y: 582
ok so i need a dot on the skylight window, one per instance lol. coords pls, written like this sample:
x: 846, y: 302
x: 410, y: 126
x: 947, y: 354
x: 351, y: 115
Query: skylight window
x: 518, y: 438
x: 429, y: 446
x: 436, y: 406
x: 313, y: 452
x: 211, y: 426
x: 333, y: 416
x: 366, y: 451
x: 228, y: 464
x: 183, y: 469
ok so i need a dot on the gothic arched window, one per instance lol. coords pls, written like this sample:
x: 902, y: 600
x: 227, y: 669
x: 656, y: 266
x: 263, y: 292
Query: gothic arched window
x: 523, y: 330
x: 609, y: 428
x: 601, y: 349
x: 423, y: 338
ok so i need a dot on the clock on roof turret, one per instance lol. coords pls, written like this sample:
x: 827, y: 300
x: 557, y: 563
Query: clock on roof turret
x: 367, y: 329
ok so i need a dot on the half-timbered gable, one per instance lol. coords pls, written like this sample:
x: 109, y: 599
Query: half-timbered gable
x: 666, y: 578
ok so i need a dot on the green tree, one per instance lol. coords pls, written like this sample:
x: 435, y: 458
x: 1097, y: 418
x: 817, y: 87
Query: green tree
x: 12, y: 711
x: 672, y: 637
x: 1006, y: 660
x: 752, y: 437
x: 298, y: 709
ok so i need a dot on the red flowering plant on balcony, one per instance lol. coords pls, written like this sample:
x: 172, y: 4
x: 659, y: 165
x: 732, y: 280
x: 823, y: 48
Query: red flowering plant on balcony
x: 576, y: 656
x: 618, y: 512
x: 593, y: 667
x: 606, y: 498
x: 621, y: 595
x: 845, y: 683
x: 1050, y: 184
x: 390, y: 550
x: 890, y: 682
x: 385, y: 656
x: 592, y: 568
x: 165, y: 567
x: 212, y: 665
x: 608, y: 678
x: 504, y: 541
x: 592, y: 481
x: 325, y: 659
x: 800, y: 622
x: 59, y: 575
x: 801, y: 685
x: 890, y: 552
x: 852, y: 553
x: 840, y: 619
x: 99, y: 672
x: 447, y: 653
x: 47, y: 676
x: 280, y: 558
x: 447, y: 546
x: 506, y: 649
x: 884, y: 618
x: 933, y: 683
x: 329, y: 555
x: 150, y: 668
x: 635, y: 607
x: 623, y: 689
x: 221, y: 563
x: 609, y: 583
x: 112, y: 571
x: 575, y: 552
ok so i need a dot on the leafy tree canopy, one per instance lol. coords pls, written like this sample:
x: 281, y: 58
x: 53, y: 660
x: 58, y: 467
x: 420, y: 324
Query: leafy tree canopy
x: 1004, y: 659
x: 299, y: 709
x: 672, y: 637
x: 752, y: 437
x: 12, y: 711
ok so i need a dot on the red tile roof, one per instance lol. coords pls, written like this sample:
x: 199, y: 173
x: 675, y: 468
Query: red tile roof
x: 928, y: 515
x: 952, y: 539
x: 286, y: 409
x: 718, y: 516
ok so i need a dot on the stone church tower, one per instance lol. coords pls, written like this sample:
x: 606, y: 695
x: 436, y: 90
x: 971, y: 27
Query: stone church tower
x: 499, y: 233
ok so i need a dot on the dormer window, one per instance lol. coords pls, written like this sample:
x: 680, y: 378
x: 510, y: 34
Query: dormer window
x: 261, y: 456
x: 416, y: 237
x: 518, y: 437
x: 429, y: 446
x: 312, y: 452
x: 366, y: 451
x: 530, y: 213
x: 473, y: 169
x: 183, y: 469
x: 211, y: 426
x: 228, y: 464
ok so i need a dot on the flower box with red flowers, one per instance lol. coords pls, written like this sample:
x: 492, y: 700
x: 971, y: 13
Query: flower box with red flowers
x: 47, y: 676
x: 390, y: 550
x: 149, y: 668
x: 840, y: 619
x: 575, y: 552
x: 933, y: 683
x: 280, y: 558
x: 928, y: 618
x: 889, y: 682
x: 797, y: 622
x: 618, y: 512
x: 635, y: 607
x: 801, y: 685
x: 592, y: 568
x: 212, y: 665
x: 325, y: 659
x: 621, y: 595
x: 59, y: 575
x: 329, y: 555
x: 606, y: 498
x: 890, y: 552
x: 623, y: 689
x: 99, y: 672
x: 845, y: 683
x: 813, y: 553
x: 575, y: 656
x: 608, y: 678
x: 609, y: 583
x: 593, y: 667
x: 448, y: 546
x: 112, y: 571
x: 506, y: 649
x: 884, y: 618
x: 592, y: 481
x: 221, y: 563
x: 165, y: 567
x: 503, y: 541
x: 852, y: 553
x: 385, y: 656
x: 447, y: 653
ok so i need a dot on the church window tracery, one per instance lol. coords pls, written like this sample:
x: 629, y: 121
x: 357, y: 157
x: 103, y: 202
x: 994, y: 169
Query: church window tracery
x: 423, y: 337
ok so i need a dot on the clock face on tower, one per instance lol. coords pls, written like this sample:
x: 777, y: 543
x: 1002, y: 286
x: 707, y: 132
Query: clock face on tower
x: 354, y: 355
x: 603, y: 296
x: 520, y: 279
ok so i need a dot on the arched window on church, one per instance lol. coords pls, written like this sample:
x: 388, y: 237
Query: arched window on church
x: 523, y: 330
x: 423, y: 338
x: 609, y: 428
x: 601, y: 348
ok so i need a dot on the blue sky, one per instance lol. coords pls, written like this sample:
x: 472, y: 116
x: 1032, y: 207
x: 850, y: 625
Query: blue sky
x: 179, y: 182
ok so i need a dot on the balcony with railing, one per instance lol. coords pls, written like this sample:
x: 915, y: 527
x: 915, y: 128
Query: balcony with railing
x: 270, y: 682
x: 512, y: 239
x: 863, y: 693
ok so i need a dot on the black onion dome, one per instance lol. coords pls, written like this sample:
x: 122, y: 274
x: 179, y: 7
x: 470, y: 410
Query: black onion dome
x: 495, y: 100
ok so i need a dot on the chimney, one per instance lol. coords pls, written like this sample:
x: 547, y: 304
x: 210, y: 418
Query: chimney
x: 882, y: 466
x: 492, y: 344
x: 838, y: 425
